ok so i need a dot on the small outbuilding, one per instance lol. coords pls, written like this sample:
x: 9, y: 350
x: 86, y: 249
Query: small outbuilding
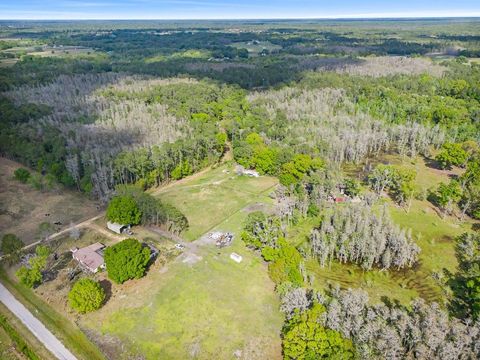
x: 235, y: 257
x: 118, y: 228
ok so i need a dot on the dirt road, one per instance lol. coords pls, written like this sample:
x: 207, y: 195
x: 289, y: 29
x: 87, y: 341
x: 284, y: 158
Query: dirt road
x: 85, y: 223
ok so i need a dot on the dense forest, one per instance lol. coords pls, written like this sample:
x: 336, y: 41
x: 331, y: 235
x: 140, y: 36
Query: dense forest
x: 321, y: 106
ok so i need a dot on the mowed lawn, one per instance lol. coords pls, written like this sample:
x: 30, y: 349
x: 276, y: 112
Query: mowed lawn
x: 209, y: 199
x: 209, y: 308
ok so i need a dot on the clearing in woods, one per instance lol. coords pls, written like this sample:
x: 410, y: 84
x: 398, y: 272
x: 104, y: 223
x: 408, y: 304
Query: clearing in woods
x: 209, y: 199
x: 201, y: 305
x: 31, y: 214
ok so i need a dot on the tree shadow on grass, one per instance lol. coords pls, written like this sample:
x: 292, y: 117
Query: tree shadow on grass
x: 432, y: 163
x: 107, y: 287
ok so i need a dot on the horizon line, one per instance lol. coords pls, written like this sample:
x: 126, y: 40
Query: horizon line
x: 352, y: 17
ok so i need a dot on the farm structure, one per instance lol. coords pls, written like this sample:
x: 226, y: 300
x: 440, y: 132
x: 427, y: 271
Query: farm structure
x: 119, y: 228
x: 235, y: 257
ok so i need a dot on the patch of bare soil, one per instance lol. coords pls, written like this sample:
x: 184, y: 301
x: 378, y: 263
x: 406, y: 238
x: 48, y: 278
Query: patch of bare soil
x: 256, y: 207
x: 23, y: 209
x: 111, y: 346
x: 257, y: 348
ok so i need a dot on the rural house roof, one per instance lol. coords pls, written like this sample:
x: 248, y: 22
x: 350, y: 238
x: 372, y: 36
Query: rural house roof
x: 90, y: 256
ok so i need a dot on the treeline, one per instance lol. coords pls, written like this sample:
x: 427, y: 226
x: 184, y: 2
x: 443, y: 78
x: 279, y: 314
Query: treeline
x: 326, y: 122
x: 462, y: 192
x: 450, y: 101
x: 133, y: 206
x: 45, y: 152
x: 382, y: 331
x: 140, y: 131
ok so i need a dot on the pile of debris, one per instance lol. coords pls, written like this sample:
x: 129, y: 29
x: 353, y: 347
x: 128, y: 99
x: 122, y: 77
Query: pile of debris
x: 240, y: 170
x: 222, y: 239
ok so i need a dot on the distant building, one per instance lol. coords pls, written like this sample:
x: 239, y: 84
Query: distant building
x: 90, y: 257
x: 118, y: 228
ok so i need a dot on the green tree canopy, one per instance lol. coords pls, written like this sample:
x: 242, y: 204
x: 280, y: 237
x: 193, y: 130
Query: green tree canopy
x: 11, y: 244
x: 86, y: 295
x: 22, y: 175
x: 447, y: 195
x: 451, y: 154
x: 466, y: 282
x: 29, y: 277
x: 304, y: 337
x: 470, y: 181
x: 126, y: 260
x: 124, y: 210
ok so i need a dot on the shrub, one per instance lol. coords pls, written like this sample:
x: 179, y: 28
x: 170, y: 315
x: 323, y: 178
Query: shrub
x: 29, y: 277
x: 86, y: 295
x: 22, y: 175
x: 11, y: 244
x: 451, y: 154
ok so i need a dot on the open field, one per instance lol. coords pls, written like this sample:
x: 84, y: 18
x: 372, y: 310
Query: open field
x: 23, y: 209
x: 7, y: 62
x: 43, y: 50
x: 7, y: 348
x: 201, y: 305
x: 208, y: 200
x: 188, y: 54
x: 255, y: 47
x: 198, y: 305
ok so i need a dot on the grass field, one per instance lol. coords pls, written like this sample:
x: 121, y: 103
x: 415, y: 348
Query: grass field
x: 255, y: 48
x: 7, y: 348
x: 215, y: 196
x: 210, y: 307
x: 188, y: 54
x: 23, y: 209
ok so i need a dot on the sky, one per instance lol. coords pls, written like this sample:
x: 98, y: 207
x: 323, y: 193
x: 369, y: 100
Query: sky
x: 234, y: 9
